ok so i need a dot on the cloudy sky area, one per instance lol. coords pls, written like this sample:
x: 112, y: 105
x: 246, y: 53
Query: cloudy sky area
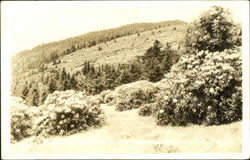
x: 27, y: 24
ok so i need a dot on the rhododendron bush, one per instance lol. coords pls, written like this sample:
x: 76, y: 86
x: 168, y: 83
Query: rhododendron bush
x: 214, y: 30
x: 108, y: 96
x: 203, y: 88
x: 95, y: 100
x: 146, y: 109
x: 67, y: 112
x: 22, y: 117
x: 133, y: 95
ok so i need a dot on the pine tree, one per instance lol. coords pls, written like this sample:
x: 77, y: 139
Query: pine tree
x: 52, y: 85
x: 43, y: 96
x: 73, y: 82
x: 25, y: 91
x: 63, y: 74
x: 157, y: 61
x: 66, y: 85
x: 35, y: 97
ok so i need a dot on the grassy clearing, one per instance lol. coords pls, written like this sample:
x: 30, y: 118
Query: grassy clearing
x: 127, y: 133
x: 124, y: 49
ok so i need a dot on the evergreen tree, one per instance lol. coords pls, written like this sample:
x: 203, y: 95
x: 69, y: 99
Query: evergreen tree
x: 157, y: 61
x: 35, y: 97
x: 66, y: 85
x: 25, y: 91
x: 73, y: 82
x: 63, y: 74
x: 151, y: 61
x: 43, y: 96
x: 52, y: 85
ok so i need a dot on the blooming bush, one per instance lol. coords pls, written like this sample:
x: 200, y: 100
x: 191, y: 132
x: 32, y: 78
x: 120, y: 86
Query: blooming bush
x: 67, y: 112
x: 22, y: 117
x: 95, y: 100
x: 104, y: 93
x: 133, y: 95
x: 214, y: 30
x: 108, y: 97
x: 146, y: 109
x: 204, y: 88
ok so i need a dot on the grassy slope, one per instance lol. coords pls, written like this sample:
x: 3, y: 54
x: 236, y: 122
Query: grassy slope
x: 124, y: 49
x: 126, y: 132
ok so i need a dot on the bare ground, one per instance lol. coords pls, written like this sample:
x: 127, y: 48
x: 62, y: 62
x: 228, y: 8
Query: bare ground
x: 127, y: 133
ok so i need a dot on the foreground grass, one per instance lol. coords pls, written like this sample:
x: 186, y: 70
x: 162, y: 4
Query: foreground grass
x: 126, y: 132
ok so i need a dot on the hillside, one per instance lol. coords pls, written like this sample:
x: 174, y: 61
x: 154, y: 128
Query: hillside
x: 123, y: 49
x: 128, y: 133
x: 40, y: 55
x: 120, y: 50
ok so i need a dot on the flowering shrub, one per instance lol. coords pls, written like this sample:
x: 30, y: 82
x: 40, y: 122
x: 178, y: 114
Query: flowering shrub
x: 146, y: 109
x: 133, y: 95
x: 214, y: 30
x: 67, y: 112
x: 107, y: 96
x: 204, y: 88
x: 22, y: 117
x: 104, y: 93
x: 94, y: 100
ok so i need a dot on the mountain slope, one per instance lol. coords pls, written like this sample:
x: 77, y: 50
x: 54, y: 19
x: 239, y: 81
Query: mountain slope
x: 45, y: 53
x: 120, y: 50
x: 123, y: 50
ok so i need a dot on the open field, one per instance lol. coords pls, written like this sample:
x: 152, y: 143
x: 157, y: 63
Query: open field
x: 128, y: 133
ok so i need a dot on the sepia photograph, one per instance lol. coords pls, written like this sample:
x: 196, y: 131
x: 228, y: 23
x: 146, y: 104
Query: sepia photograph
x: 125, y: 79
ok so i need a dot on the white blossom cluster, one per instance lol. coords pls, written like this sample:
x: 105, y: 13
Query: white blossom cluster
x: 21, y: 119
x: 133, y: 95
x: 67, y: 112
x: 202, y: 88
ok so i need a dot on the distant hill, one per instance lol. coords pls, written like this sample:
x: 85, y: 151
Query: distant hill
x: 41, y: 55
x: 37, y: 65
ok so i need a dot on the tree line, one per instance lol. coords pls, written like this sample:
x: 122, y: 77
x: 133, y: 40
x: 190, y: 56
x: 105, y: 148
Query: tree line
x: 152, y: 66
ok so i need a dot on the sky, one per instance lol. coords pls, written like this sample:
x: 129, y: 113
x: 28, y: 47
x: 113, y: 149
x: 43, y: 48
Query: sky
x: 27, y: 24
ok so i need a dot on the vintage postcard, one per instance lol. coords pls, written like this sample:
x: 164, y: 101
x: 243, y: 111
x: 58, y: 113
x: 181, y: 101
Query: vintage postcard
x: 125, y: 79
